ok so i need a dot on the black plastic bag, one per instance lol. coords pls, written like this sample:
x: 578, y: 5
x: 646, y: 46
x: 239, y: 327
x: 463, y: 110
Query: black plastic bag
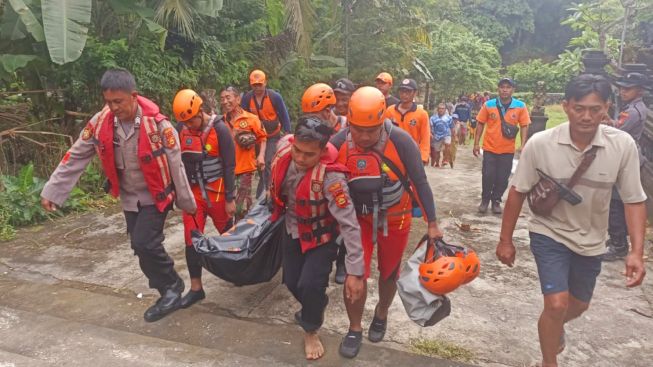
x: 248, y: 253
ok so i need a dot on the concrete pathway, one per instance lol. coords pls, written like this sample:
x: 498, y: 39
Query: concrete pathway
x: 75, y: 282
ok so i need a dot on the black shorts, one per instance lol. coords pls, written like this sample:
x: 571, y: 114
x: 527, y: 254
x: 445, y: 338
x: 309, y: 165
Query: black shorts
x: 562, y: 270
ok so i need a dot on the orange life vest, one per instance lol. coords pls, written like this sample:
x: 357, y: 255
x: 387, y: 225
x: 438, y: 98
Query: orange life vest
x: 151, y: 155
x: 315, y: 224
x: 200, y: 152
x: 267, y: 114
x: 376, y: 189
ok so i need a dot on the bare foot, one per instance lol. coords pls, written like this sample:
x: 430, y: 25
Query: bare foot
x: 313, y: 346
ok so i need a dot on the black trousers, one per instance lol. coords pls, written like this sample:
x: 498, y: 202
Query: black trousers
x: 145, y: 229
x: 270, y: 151
x: 496, y: 173
x: 617, y: 227
x: 307, y: 277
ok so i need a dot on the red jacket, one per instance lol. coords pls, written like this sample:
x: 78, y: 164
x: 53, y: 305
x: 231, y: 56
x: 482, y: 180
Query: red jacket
x: 314, y: 221
x: 151, y: 154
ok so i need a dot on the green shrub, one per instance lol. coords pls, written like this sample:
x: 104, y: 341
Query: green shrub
x: 20, y: 200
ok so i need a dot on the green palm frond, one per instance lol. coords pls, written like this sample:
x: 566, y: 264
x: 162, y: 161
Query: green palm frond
x: 177, y: 14
x: 300, y: 20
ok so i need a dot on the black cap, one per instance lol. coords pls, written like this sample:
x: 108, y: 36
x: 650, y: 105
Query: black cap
x: 633, y: 80
x: 409, y: 84
x: 506, y: 80
x: 344, y: 85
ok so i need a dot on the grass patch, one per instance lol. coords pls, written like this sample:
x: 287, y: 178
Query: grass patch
x: 441, y: 349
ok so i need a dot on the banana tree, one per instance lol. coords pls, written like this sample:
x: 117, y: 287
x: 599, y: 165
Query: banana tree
x: 63, y: 25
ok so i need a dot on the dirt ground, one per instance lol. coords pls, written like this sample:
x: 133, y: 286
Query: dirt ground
x: 494, y: 317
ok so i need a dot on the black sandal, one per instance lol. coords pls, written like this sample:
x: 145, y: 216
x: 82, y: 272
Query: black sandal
x: 351, y: 344
x: 377, y: 329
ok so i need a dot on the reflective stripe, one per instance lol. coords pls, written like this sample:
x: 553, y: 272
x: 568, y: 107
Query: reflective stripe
x: 392, y: 194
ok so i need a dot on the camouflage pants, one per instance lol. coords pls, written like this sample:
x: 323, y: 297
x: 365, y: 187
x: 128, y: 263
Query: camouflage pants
x: 243, y: 194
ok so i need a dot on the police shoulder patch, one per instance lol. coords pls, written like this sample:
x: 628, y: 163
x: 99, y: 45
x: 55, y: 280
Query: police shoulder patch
x: 87, y: 133
x: 335, y: 187
x: 169, y: 137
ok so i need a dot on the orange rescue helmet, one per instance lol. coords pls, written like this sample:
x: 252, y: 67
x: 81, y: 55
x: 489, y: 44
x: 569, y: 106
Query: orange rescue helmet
x: 471, y: 265
x: 384, y: 77
x: 257, y: 77
x: 441, y: 273
x: 366, y: 107
x: 317, y: 97
x: 186, y: 105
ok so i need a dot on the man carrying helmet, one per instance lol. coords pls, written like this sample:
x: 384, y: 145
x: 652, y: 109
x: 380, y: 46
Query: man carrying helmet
x: 140, y: 156
x: 384, y: 180
x: 412, y: 118
x: 271, y: 110
x: 248, y: 133
x: 309, y: 187
x: 207, y: 150
x: 319, y: 100
x: 383, y: 82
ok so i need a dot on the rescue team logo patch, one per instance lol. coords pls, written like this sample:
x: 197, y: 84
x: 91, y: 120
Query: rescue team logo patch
x: 335, y: 188
x: 189, y: 141
x: 413, y: 123
x: 341, y: 200
x: 514, y: 116
x: 242, y: 124
x: 493, y: 115
x: 87, y: 133
x: 361, y: 164
x: 316, y: 186
x: 155, y: 138
x: 169, y: 136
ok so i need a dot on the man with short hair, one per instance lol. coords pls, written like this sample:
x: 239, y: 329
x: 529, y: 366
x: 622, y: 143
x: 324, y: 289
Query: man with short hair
x: 631, y: 120
x: 139, y: 151
x: 441, y: 126
x: 269, y: 107
x: 464, y: 111
x: 343, y: 88
x: 384, y: 180
x: 383, y: 82
x: 499, y: 118
x: 309, y: 188
x: 568, y: 243
x: 248, y: 133
x: 412, y: 118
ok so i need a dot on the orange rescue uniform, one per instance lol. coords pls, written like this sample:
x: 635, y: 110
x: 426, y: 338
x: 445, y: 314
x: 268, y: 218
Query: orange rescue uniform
x: 246, y: 158
x: 416, y: 123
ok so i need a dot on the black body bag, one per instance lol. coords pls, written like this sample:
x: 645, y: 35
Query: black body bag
x: 248, y: 253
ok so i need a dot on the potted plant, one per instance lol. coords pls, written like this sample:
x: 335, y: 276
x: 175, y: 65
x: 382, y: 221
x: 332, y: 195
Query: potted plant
x: 538, y: 115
